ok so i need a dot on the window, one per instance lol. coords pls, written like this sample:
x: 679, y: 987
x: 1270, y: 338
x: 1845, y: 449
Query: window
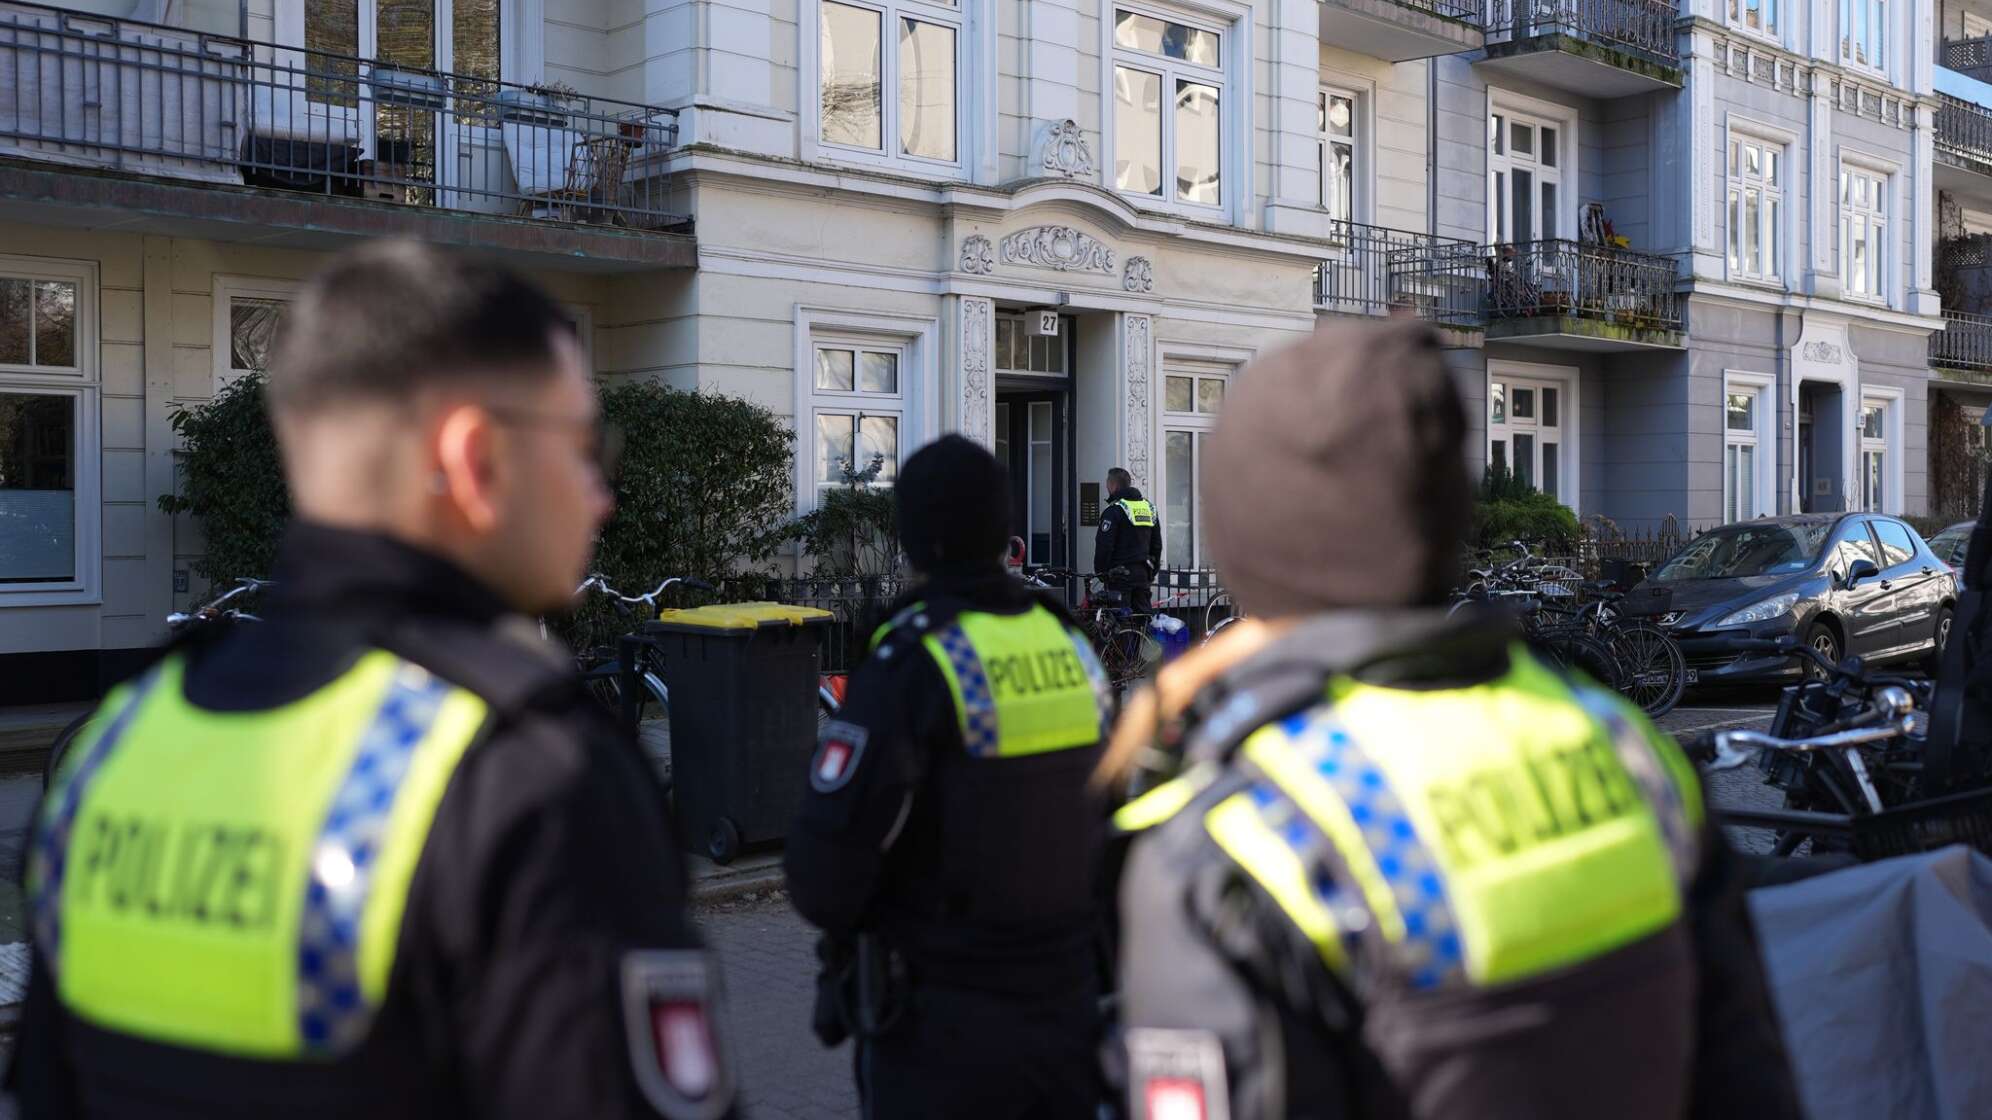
x: 247, y: 312
x: 1864, y: 33
x: 1756, y: 207
x: 49, y: 453
x: 1168, y: 85
x: 1896, y: 547
x: 462, y: 37
x: 858, y: 413
x: 1335, y: 117
x: 1192, y: 397
x: 1746, y: 445
x: 1525, y: 178
x: 1755, y: 15
x: 888, y: 78
x: 1858, y: 546
x: 1017, y: 352
x: 1874, y: 456
x: 1863, y: 233
x: 1527, y: 431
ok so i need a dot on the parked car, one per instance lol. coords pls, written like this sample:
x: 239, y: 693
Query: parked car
x: 1950, y: 544
x: 1845, y: 583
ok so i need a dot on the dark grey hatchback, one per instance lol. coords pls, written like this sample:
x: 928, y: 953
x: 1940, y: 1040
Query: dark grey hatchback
x: 1845, y: 583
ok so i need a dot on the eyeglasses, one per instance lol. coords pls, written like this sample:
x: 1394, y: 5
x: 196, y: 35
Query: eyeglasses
x: 605, y: 440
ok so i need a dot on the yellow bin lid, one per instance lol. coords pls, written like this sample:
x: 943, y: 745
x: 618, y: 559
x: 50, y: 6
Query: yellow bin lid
x: 742, y: 616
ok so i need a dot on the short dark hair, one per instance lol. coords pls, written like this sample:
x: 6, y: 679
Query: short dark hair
x: 391, y: 319
x: 1119, y: 476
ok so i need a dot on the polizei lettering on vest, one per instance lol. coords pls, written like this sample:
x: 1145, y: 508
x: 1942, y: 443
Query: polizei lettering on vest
x: 1027, y: 674
x: 215, y: 875
x: 1546, y: 795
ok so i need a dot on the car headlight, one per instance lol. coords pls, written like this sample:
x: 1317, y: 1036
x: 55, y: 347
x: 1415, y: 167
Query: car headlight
x: 1774, y: 607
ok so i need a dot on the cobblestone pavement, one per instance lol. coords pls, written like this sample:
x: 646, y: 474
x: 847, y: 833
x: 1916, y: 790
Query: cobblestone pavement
x: 768, y: 959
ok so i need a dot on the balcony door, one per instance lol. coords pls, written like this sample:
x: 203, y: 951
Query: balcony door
x: 407, y: 125
x: 1531, y: 430
x: 1524, y: 177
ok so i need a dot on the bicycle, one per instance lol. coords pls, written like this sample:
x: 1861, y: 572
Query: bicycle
x: 1219, y: 614
x: 1116, y: 631
x: 225, y: 608
x: 627, y: 678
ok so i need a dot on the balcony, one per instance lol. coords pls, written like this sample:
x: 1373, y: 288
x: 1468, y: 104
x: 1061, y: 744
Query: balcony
x: 1573, y: 295
x: 1597, y: 48
x: 208, y: 134
x: 1962, y: 351
x: 1963, y: 148
x: 1402, y: 30
x: 1971, y: 57
x: 1394, y: 272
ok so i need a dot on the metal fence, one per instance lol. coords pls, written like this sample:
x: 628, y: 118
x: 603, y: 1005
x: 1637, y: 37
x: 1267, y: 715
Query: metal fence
x: 1640, y: 27
x: 1587, y: 281
x: 100, y: 92
x: 1964, y: 343
x: 1465, y: 10
x: 1964, y: 134
x: 1966, y: 55
x: 1385, y: 270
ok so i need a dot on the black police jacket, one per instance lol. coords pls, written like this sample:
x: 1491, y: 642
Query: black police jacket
x: 982, y: 873
x: 549, y: 862
x: 1120, y: 544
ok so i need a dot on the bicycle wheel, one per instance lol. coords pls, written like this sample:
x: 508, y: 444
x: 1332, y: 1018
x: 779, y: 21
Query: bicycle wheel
x: 1574, y: 649
x: 1217, y: 616
x: 1656, y: 673
x: 1128, y: 664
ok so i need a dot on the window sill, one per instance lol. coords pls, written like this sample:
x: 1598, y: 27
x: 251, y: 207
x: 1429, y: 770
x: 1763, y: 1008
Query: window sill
x: 1766, y: 38
x: 846, y: 159
x: 1762, y: 284
x: 1150, y: 204
x: 47, y: 597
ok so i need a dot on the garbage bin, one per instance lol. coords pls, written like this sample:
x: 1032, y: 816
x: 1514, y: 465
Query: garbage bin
x: 743, y: 719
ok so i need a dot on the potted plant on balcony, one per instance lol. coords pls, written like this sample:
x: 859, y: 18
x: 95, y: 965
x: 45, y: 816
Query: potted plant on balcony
x: 545, y: 105
x: 417, y: 89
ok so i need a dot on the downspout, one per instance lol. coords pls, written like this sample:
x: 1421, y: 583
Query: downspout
x: 1431, y: 147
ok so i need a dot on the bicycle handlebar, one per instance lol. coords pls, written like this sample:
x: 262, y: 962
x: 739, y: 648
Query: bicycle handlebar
x: 1727, y: 750
x: 600, y: 583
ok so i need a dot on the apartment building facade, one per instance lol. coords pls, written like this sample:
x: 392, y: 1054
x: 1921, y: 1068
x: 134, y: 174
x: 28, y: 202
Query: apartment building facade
x: 1681, y: 257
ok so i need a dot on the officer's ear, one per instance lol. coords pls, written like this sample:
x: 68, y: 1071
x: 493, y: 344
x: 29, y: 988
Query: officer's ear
x: 464, y: 442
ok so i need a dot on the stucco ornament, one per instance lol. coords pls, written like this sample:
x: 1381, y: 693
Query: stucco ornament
x: 978, y: 317
x: 1139, y: 275
x: 1138, y: 343
x: 978, y: 256
x: 1065, y: 152
x: 1059, y: 248
x: 1818, y: 351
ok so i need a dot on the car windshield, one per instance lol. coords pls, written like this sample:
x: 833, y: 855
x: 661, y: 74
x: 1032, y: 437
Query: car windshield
x: 1748, y: 550
x: 1949, y: 545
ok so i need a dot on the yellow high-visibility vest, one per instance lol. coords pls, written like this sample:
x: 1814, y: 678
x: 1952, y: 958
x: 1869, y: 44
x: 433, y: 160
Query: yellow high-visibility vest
x: 1022, y: 683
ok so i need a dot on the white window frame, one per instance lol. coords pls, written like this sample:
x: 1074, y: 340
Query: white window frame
x: 1886, y: 268
x: 918, y: 343
x: 965, y: 17
x: 1538, y: 112
x: 520, y: 57
x: 228, y: 289
x: 1780, y: 144
x: 1361, y: 165
x: 1763, y: 437
x: 1198, y: 425
x: 1877, y: 14
x: 1232, y: 22
x: 1567, y: 380
x: 83, y: 384
x: 1774, y: 32
x: 1890, y: 445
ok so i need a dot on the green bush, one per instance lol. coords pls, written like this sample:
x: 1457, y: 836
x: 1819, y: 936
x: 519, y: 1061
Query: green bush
x: 1508, y: 509
x: 855, y: 531
x: 231, y: 480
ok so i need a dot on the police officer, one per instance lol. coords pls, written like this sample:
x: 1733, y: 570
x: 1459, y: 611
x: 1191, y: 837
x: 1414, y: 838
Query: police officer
x: 379, y: 855
x: 948, y: 843
x: 1128, y: 550
x: 1408, y: 869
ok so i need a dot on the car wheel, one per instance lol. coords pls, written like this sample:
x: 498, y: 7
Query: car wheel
x: 1822, y: 639
x: 1936, y: 661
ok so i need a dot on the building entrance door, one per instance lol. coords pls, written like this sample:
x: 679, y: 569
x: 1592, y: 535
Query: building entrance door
x: 1033, y: 435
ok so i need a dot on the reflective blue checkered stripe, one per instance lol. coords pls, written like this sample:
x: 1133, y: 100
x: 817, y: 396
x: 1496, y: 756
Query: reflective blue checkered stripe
x: 979, y: 731
x: 1103, y: 688
x: 1299, y: 832
x: 49, y: 856
x: 1430, y: 953
x: 332, y: 1015
x: 1637, y: 753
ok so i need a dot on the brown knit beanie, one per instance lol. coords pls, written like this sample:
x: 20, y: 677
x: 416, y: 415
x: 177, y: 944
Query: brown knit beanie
x: 1337, y: 475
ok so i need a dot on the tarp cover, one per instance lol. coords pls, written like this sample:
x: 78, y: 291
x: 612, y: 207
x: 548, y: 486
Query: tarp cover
x: 1882, y: 975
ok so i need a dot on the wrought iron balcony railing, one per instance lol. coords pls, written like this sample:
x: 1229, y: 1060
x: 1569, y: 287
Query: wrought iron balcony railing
x: 1964, y: 134
x: 114, y: 93
x: 1465, y: 10
x: 1964, y: 343
x: 1639, y: 27
x: 1383, y: 271
x: 1580, y: 280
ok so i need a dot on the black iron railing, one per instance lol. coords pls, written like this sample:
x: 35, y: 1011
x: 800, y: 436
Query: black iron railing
x: 1580, y: 280
x: 1966, y: 55
x: 1640, y: 27
x: 1964, y: 343
x: 1383, y: 271
x: 1964, y: 134
x: 93, y: 91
